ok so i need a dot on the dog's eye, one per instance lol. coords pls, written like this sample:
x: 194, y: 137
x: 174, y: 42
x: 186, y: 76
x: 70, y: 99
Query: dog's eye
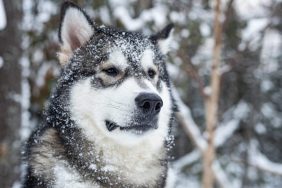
x: 112, y: 71
x: 151, y: 73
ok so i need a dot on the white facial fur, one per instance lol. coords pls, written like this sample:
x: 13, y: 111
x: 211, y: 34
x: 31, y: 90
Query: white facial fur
x: 90, y: 108
x: 117, y: 58
x: 117, y: 104
x: 114, y: 104
x: 147, y: 60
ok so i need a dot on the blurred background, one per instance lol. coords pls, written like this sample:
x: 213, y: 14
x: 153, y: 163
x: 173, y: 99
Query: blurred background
x: 248, y: 134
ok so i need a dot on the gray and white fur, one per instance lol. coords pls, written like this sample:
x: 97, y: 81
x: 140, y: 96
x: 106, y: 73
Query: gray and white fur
x: 108, y: 119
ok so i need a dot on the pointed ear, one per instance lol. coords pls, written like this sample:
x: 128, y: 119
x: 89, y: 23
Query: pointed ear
x: 163, y: 38
x: 76, y: 28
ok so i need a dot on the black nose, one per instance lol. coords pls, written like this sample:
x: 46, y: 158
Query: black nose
x: 149, y: 103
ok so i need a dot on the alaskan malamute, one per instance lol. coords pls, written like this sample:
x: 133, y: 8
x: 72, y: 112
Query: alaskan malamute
x: 108, y: 118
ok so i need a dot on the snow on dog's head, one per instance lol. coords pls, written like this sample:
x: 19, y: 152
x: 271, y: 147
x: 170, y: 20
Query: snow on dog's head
x: 119, y: 83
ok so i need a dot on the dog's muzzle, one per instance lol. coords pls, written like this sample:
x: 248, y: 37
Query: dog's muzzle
x: 146, y: 117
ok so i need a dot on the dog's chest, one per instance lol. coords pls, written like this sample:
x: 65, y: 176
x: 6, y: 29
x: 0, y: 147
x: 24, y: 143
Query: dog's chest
x: 138, y: 165
x: 126, y: 169
x: 66, y: 177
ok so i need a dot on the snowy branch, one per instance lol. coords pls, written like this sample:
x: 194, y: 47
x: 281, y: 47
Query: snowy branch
x: 186, y: 121
x: 187, y: 160
x: 185, y: 118
x: 260, y: 161
x: 156, y: 14
x: 220, y: 175
x: 231, y: 122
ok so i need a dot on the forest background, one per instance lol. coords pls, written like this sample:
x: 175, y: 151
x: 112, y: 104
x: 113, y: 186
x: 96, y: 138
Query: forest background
x: 226, y: 60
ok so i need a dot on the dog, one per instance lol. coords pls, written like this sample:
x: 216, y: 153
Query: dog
x: 109, y: 117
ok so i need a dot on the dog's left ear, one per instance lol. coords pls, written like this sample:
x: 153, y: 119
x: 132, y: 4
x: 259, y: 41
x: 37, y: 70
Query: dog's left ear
x: 163, y: 38
x: 76, y: 28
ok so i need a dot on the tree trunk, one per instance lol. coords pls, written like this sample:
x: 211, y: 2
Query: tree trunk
x: 211, y: 103
x: 10, y: 90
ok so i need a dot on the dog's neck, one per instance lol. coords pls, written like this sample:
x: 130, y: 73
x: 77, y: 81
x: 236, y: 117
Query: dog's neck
x: 133, y: 166
x: 107, y: 162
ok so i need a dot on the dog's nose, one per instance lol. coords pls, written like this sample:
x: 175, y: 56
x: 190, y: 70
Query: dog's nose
x: 149, y: 103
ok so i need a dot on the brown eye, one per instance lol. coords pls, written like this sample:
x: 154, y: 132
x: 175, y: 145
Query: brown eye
x: 151, y: 73
x: 112, y: 71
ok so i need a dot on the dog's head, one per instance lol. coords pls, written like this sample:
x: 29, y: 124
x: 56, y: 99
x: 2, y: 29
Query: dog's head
x: 121, y: 86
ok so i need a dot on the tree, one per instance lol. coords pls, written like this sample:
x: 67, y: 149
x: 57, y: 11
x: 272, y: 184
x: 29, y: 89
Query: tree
x: 212, y: 100
x: 10, y: 87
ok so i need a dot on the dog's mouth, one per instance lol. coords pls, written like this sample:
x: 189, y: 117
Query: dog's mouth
x: 138, y: 128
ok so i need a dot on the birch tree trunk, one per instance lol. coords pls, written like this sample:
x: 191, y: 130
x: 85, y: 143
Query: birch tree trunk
x: 10, y: 92
x: 211, y: 102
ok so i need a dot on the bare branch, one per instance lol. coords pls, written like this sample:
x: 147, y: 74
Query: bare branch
x: 211, y: 103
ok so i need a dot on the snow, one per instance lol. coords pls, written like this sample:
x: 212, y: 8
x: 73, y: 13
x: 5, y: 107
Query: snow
x: 93, y: 167
x: 271, y: 50
x: 37, y: 56
x: 105, y: 15
x: 221, y: 176
x: 25, y: 99
x: 46, y: 9
x: 184, y: 181
x: 177, y: 17
x: 185, y: 33
x: 69, y: 178
x: 116, y: 3
x: 252, y: 33
x: 173, y: 70
x: 266, y: 85
x: 172, y: 176
x: 268, y: 111
x: 260, y: 128
x: 241, y: 111
x: 234, y: 116
x: 157, y: 14
x: 17, y: 184
x: 199, y: 13
x: 204, y: 55
x: 187, y: 159
x: 3, y: 19
x: 254, y: 27
x: 28, y: 18
x: 40, y: 78
x: 225, y: 131
x: 260, y: 161
x: 1, y: 62
x: 190, y: 125
x: 205, y: 29
x: 208, y: 90
x: 224, y: 69
x: 252, y: 9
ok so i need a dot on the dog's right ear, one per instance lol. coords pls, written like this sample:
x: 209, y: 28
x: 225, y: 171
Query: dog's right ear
x: 76, y: 28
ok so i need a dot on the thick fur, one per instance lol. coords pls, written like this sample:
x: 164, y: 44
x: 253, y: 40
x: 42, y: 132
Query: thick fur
x: 73, y: 147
